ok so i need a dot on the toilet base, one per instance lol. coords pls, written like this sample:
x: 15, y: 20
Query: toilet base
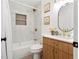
x: 36, y: 55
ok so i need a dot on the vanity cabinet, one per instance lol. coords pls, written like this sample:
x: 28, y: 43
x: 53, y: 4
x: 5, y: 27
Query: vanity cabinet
x: 55, y: 49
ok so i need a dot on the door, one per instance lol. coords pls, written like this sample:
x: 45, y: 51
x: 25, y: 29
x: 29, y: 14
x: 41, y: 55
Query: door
x: 3, y: 48
x: 6, y: 30
x: 3, y: 32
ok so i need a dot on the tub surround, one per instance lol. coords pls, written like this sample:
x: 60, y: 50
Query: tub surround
x: 59, y: 37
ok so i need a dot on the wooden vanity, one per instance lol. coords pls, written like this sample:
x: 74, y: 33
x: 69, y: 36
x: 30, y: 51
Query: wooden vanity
x: 56, y: 49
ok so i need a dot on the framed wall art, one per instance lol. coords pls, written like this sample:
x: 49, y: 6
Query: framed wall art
x: 47, y: 20
x: 46, y: 7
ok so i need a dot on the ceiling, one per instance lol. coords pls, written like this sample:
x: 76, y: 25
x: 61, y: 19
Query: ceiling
x: 33, y: 3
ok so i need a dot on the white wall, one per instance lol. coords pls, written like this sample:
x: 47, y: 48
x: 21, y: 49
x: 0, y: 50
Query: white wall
x: 22, y: 33
x: 37, y: 25
x: 46, y: 28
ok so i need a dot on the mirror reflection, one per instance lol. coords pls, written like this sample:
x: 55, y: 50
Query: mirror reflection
x: 65, y: 17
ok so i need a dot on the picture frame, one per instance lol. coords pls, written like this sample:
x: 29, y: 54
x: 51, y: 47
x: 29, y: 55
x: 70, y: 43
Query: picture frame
x: 47, y: 20
x: 47, y: 7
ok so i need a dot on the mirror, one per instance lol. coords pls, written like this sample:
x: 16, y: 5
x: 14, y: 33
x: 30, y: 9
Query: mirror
x: 65, y: 17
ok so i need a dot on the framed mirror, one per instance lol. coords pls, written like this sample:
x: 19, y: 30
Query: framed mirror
x: 65, y: 17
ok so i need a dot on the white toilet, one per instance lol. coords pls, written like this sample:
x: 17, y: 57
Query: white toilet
x: 35, y: 50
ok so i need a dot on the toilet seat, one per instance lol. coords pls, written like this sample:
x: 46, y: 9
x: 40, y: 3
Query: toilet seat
x: 36, y: 48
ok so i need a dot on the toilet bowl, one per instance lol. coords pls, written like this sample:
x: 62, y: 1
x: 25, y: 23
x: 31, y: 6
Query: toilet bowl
x: 35, y: 50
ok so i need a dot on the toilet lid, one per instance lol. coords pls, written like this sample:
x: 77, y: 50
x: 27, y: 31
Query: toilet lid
x: 36, y: 46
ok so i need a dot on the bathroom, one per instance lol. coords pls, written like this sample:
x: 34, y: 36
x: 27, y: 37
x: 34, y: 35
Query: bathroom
x: 39, y: 29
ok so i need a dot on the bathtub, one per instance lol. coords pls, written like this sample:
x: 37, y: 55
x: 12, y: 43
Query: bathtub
x: 21, y: 49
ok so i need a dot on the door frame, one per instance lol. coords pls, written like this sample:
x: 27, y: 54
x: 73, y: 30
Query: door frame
x: 75, y: 50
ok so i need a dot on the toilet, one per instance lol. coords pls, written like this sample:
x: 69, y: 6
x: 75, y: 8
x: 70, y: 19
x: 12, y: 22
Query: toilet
x: 35, y: 50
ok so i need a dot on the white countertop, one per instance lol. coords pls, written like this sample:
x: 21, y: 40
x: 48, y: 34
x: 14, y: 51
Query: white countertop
x: 61, y: 38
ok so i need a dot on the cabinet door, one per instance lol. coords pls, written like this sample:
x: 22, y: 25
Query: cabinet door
x: 56, y: 53
x: 70, y: 56
x: 60, y: 54
x: 45, y: 52
x: 70, y: 49
x: 65, y: 55
x: 51, y: 52
x: 48, y: 52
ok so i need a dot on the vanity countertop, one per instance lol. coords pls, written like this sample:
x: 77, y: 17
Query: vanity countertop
x: 57, y: 37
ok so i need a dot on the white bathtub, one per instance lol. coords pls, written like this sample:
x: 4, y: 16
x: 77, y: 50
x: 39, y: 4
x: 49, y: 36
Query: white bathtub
x: 21, y: 49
